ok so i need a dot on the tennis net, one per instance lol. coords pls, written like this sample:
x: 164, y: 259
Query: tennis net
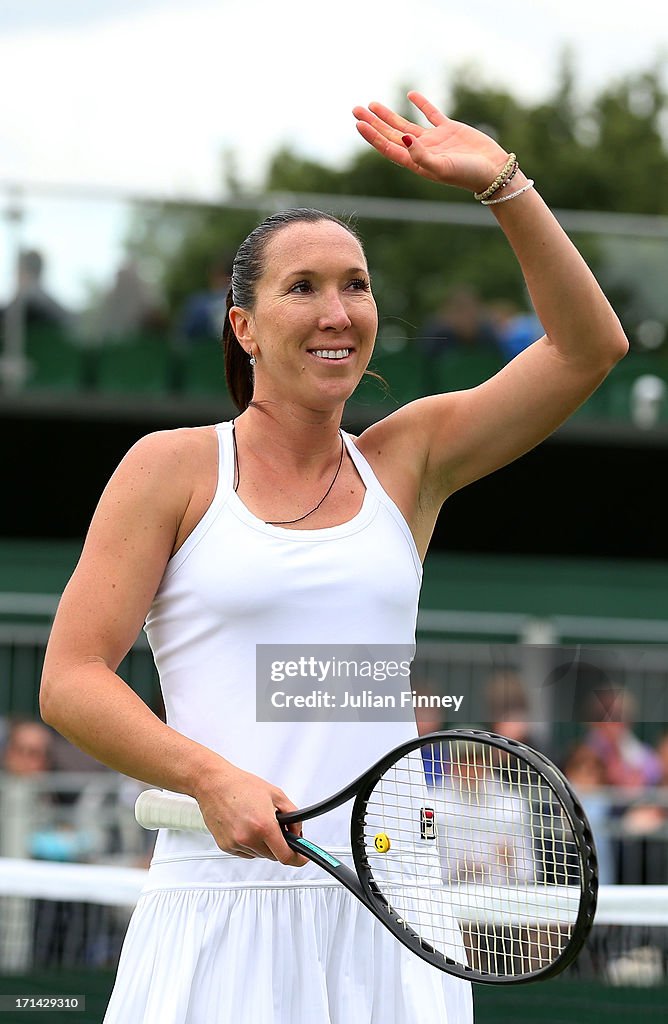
x: 62, y: 926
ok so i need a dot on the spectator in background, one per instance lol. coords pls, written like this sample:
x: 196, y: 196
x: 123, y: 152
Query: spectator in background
x: 27, y: 749
x: 460, y: 323
x: 204, y: 313
x: 27, y: 752
x: 31, y: 301
x: 429, y: 719
x: 508, y: 711
x: 62, y: 932
x: 515, y: 328
x: 629, y: 763
x: 129, y: 308
x: 585, y: 770
x: 662, y: 752
x: 474, y: 801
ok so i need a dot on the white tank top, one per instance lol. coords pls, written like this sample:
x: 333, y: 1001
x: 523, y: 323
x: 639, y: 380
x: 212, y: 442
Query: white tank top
x: 237, y: 582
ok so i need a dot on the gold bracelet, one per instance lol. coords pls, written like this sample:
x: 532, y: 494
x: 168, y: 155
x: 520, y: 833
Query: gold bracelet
x: 513, y: 195
x: 500, y: 180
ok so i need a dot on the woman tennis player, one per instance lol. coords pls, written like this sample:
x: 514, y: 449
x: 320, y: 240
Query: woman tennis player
x: 281, y: 528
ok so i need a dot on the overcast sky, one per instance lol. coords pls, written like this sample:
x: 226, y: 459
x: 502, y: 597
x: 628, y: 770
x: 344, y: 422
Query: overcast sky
x: 145, y: 95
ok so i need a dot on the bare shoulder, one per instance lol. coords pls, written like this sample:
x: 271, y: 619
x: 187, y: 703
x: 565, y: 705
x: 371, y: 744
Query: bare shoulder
x: 170, y: 463
x: 174, y: 470
x: 166, y: 451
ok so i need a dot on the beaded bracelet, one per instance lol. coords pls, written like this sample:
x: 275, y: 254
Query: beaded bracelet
x: 508, y: 170
x: 513, y: 195
x: 510, y: 177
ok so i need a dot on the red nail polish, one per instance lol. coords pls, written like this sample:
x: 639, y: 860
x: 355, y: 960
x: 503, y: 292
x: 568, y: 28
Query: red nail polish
x: 407, y: 141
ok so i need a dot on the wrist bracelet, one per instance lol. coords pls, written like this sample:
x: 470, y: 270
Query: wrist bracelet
x: 513, y: 195
x: 502, y: 177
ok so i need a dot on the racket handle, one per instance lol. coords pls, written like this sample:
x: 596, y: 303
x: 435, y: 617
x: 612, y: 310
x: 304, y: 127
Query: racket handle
x: 155, y: 809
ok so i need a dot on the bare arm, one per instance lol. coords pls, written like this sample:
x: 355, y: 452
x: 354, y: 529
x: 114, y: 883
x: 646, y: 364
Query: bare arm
x: 465, y: 435
x: 130, y: 541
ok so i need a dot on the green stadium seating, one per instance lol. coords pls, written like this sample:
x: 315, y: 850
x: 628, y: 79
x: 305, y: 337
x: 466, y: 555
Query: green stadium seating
x: 54, y: 361
x: 144, y: 365
x: 202, y: 370
x: 403, y: 372
x: 134, y: 366
x: 458, y: 370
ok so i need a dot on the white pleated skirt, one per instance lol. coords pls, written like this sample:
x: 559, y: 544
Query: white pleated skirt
x: 266, y: 953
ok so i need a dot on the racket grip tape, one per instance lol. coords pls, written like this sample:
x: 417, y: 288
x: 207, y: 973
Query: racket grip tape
x: 155, y: 809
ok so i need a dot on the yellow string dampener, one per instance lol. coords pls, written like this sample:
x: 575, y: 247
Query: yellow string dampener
x: 382, y: 842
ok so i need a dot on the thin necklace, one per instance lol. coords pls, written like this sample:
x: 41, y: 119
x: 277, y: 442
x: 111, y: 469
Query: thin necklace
x: 285, y: 522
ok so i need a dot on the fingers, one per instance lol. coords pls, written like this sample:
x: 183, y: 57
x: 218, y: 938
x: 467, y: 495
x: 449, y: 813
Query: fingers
x: 392, y: 125
x: 244, y: 821
x: 432, y: 113
x: 385, y: 130
x: 286, y: 806
x: 410, y: 157
x: 392, y: 150
x: 386, y: 121
x: 270, y: 844
x: 266, y: 842
x: 290, y: 857
x: 378, y: 132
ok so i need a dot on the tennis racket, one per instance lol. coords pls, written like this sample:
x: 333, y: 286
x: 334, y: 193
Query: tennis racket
x: 470, y: 847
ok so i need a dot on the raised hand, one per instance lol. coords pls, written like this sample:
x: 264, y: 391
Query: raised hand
x: 450, y: 152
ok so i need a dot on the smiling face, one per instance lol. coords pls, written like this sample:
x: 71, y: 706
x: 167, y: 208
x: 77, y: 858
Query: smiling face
x: 314, y: 322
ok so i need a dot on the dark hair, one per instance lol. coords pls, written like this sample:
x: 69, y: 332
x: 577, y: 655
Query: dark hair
x: 247, y: 269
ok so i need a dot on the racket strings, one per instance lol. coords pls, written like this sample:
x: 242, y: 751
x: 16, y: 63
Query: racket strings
x: 471, y: 850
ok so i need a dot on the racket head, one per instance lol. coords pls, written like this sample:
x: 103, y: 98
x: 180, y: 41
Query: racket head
x: 499, y: 884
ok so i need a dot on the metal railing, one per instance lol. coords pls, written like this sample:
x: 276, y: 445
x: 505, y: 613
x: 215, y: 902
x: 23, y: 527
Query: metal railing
x: 72, y: 816
x: 88, y: 817
x: 455, y: 648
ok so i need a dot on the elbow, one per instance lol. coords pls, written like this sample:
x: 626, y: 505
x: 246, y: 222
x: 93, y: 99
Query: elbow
x: 619, y: 348
x: 618, y: 343
x: 46, y: 702
x: 49, y: 705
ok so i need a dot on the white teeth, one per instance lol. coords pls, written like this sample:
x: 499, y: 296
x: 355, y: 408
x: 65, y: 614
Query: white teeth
x: 332, y: 353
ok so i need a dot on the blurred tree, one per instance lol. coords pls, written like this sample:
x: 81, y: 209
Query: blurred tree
x: 607, y: 154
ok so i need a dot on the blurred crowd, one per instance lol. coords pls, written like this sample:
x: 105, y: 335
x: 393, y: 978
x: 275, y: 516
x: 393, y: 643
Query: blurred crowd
x: 463, y: 322
x: 72, y: 814
x: 461, y: 342
x: 621, y: 780
x: 132, y: 303
x: 130, y: 306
